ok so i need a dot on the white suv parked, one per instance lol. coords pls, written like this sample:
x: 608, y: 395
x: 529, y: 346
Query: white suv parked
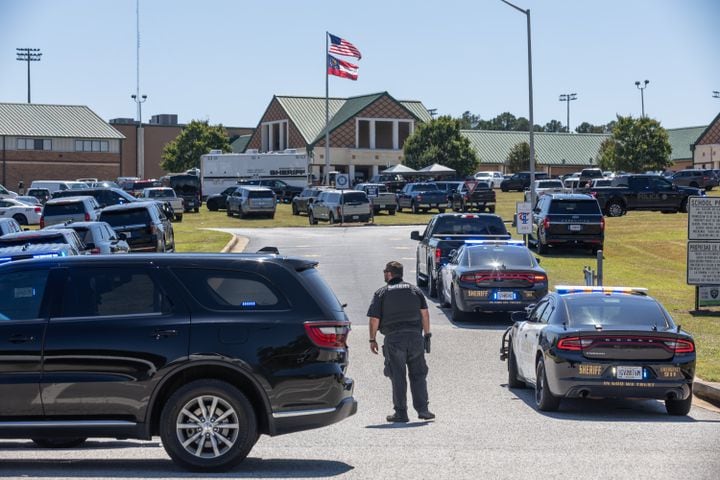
x: 493, y: 178
x: 340, y: 205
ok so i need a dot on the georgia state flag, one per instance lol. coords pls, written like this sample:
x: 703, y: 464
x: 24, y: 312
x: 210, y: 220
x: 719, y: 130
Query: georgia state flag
x: 341, y: 68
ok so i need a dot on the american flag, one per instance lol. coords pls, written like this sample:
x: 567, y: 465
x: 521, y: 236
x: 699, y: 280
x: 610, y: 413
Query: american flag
x: 343, y: 47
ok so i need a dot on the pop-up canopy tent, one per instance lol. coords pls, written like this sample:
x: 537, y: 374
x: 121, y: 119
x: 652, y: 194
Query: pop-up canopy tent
x: 400, y: 168
x: 436, y: 170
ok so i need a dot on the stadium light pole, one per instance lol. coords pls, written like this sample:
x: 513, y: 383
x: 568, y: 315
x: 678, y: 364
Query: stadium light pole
x: 568, y: 97
x: 716, y: 94
x: 530, y: 99
x: 140, y: 137
x: 28, y: 55
x: 642, y: 93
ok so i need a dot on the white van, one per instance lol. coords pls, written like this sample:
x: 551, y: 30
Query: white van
x: 56, y: 185
x: 5, y: 193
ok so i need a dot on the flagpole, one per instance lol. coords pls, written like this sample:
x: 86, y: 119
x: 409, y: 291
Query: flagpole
x: 327, y: 113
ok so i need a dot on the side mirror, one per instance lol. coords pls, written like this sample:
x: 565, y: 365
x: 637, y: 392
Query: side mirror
x: 538, y: 260
x: 415, y: 235
x: 519, y: 316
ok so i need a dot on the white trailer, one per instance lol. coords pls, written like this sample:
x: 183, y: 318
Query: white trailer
x: 221, y: 170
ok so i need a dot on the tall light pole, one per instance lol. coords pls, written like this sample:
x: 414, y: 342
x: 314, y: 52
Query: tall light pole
x: 28, y: 55
x: 568, y: 97
x: 642, y: 93
x: 140, y: 138
x: 530, y: 100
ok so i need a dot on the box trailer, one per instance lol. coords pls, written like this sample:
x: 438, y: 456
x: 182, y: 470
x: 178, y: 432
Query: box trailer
x: 221, y: 170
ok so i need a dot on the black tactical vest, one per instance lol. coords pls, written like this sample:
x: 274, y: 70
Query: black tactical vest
x: 400, y: 309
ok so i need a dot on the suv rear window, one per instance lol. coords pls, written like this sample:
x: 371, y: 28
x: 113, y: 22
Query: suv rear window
x: 38, y: 240
x: 569, y: 207
x: 74, y: 208
x: 355, y: 197
x: 628, y: 310
x: 119, y: 218
x: 322, y: 292
x: 260, y: 194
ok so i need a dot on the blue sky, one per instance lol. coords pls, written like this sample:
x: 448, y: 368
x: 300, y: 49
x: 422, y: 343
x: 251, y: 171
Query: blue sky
x: 223, y: 60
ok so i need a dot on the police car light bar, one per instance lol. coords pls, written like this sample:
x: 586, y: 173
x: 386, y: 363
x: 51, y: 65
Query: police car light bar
x: 567, y: 289
x: 495, y: 242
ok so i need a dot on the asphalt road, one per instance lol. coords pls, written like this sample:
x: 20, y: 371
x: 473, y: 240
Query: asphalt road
x: 483, y: 430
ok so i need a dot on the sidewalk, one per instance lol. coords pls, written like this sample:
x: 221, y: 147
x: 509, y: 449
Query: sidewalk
x: 708, y: 391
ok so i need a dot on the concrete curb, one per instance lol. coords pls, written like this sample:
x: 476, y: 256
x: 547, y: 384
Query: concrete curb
x: 708, y: 391
x: 236, y: 244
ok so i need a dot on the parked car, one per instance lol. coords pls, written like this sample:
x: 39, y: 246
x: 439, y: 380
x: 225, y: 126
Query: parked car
x: 42, y: 194
x: 380, y: 197
x: 520, y: 181
x: 301, y: 202
x: 165, y: 194
x: 697, y: 178
x: 491, y: 275
x: 55, y: 185
x: 138, y: 186
x: 98, y: 237
x: 568, y: 219
x: 43, y: 237
x: 491, y: 177
x: 9, y: 225
x: 393, y: 181
x: 5, y: 193
x: 249, y: 200
x: 104, y: 196
x: 421, y: 197
x: 589, y: 342
x: 541, y: 187
x: 29, y: 200
x: 187, y: 187
x: 145, y: 226
x: 587, y: 175
x: 335, y: 206
x: 74, y: 209
x: 22, y: 213
x: 475, y: 194
x: 218, y: 201
x: 283, y: 191
x: 163, y: 345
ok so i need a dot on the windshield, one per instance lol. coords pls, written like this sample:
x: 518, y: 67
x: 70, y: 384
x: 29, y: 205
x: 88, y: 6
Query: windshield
x: 260, y: 194
x: 575, y: 207
x: 425, y: 187
x: 119, y: 218
x: 355, y: 197
x: 584, y: 309
x: 165, y: 192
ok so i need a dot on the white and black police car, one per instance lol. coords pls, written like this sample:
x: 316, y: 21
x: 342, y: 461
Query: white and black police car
x: 607, y: 342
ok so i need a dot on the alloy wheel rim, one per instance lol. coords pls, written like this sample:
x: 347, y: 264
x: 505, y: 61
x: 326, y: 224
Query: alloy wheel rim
x: 207, y: 427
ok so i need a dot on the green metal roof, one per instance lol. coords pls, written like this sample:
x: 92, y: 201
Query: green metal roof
x: 493, y: 147
x: 240, y: 143
x: 38, y: 120
x: 308, y: 113
x: 681, y: 140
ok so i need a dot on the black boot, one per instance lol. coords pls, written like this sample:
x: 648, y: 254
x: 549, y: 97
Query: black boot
x: 398, y: 418
x: 426, y: 415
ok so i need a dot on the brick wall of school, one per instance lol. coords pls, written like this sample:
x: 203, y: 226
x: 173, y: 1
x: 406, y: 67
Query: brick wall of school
x: 274, y: 113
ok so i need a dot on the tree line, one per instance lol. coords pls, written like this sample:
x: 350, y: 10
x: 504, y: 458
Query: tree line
x: 506, y: 121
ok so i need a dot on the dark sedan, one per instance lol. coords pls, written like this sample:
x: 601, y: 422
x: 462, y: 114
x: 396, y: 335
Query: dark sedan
x: 588, y: 342
x: 218, y: 201
x: 491, y: 275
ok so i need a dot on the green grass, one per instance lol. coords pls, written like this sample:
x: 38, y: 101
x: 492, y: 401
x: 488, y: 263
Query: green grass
x: 644, y: 249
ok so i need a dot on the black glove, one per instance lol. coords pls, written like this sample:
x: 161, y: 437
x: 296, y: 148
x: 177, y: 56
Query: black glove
x: 427, y: 342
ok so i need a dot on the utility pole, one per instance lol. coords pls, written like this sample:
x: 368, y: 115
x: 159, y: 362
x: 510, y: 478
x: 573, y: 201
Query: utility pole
x: 568, y: 97
x: 139, y: 100
x: 642, y: 95
x: 28, y: 55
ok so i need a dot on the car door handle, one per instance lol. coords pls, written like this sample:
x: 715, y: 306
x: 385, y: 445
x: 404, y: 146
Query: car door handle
x: 158, y: 334
x: 19, y: 338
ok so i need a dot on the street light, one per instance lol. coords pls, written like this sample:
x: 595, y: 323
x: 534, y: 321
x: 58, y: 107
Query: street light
x: 530, y: 100
x: 140, y: 138
x: 28, y: 55
x: 642, y: 96
x: 568, y: 97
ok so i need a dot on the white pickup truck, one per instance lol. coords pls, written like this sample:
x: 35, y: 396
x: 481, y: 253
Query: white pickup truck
x: 380, y: 197
x: 165, y: 194
x: 542, y: 187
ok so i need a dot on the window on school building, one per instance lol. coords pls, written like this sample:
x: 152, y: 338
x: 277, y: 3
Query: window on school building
x: 274, y: 136
x: 382, y: 134
x: 34, y: 144
x: 91, y: 145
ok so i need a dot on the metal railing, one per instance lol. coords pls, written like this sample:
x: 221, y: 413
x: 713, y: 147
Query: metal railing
x: 593, y: 278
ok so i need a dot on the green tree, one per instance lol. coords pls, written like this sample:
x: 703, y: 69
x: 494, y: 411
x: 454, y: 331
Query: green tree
x: 519, y: 158
x: 606, y: 156
x: 468, y: 120
x: 554, y: 126
x: 440, y: 141
x: 197, y: 138
x: 586, y: 127
x: 641, y: 144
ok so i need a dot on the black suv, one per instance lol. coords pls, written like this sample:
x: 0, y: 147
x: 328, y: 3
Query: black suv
x: 568, y: 219
x: 301, y: 202
x: 208, y: 351
x: 104, y: 196
x: 520, y: 181
x: 284, y: 192
x: 146, y: 225
x: 218, y: 201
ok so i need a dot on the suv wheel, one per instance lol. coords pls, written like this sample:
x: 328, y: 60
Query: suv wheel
x: 683, y: 205
x: 544, y: 399
x: 513, y: 378
x: 20, y: 218
x: 331, y: 219
x: 228, y: 211
x: 311, y: 218
x: 541, y: 245
x: 178, y: 217
x: 208, y: 425
x: 679, y: 407
x: 614, y: 209
x: 59, y: 442
x: 457, y: 314
x: 432, y: 284
x: 212, y: 206
x: 295, y: 210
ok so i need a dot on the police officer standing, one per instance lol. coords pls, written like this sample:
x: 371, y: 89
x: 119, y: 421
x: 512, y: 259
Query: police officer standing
x: 399, y: 310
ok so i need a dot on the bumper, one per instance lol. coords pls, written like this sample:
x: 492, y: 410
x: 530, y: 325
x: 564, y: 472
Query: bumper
x: 574, y: 239
x: 485, y: 304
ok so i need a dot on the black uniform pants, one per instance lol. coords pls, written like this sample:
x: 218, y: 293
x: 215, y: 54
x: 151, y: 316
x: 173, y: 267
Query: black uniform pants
x: 405, y: 354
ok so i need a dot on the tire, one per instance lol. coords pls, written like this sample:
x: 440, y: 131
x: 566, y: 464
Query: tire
x: 271, y: 216
x: 491, y: 209
x: 614, y: 208
x: 59, y: 442
x: 20, y: 218
x: 237, y: 425
x: 458, y: 316
x: 228, y: 211
x: 391, y: 211
x: 545, y: 401
x: 513, y: 376
x: 178, y: 218
x: 414, y: 208
x: 683, y: 205
x: 311, y: 218
x: 331, y: 219
x: 431, y: 284
x: 295, y: 210
x: 419, y: 281
x: 542, y: 247
x: 399, y: 209
x: 441, y: 294
x: 212, y: 206
x: 196, y: 209
x: 503, y: 189
x: 679, y: 407
x: 441, y: 210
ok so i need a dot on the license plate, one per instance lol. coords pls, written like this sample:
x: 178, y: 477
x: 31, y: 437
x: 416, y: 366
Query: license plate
x: 629, y: 373
x: 575, y: 228
x: 505, y: 295
x: 355, y: 217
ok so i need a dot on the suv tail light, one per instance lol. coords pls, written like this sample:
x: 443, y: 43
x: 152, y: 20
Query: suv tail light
x: 328, y: 334
x: 152, y: 230
x: 573, y: 344
x: 681, y: 346
x: 546, y: 223
x: 602, y: 224
x: 38, y: 209
x: 438, y: 255
x: 87, y: 217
